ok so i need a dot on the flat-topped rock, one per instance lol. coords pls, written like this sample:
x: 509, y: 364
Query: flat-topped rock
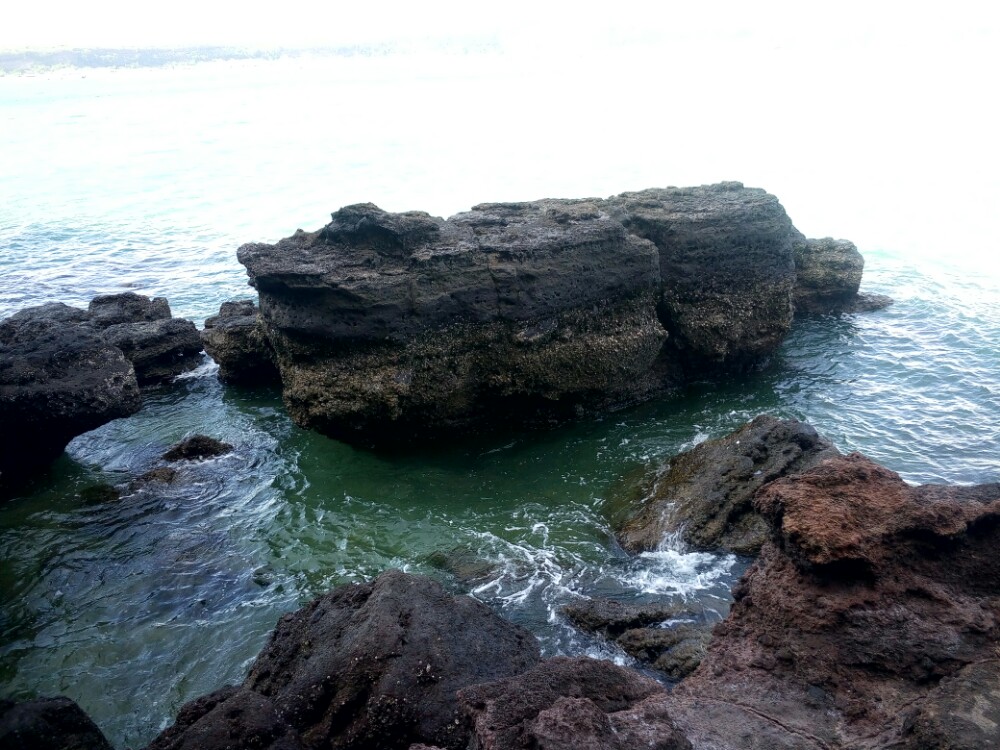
x: 391, y: 327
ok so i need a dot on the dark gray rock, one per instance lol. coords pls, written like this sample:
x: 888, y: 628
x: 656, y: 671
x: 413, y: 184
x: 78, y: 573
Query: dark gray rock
x: 726, y: 269
x: 235, y: 340
x: 127, y: 307
x: 612, y: 618
x: 57, y: 381
x: 48, y: 724
x: 372, y: 665
x: 231, y: 719
x: 194, y: 448
x: 676, y: 650
x: 158, y: 349
x: 387, y: 326
x: 645, y: 632
x: 706, y: 493
x: 571, y: 704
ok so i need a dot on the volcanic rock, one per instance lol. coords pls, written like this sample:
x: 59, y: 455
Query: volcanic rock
x: 612, y: 618
x: 48, y: 724
x: 158, y: 345
x: 58, y: 379
x: 726, y: 269
x: 645, y: 631
x: 127, y: 307
x: 372, y: 665
x: 706, y: 493
x: 869, y: 618
x: 235, y: 340
x: 386, y: 326
x: 231, y: 718
x: 571, y: 704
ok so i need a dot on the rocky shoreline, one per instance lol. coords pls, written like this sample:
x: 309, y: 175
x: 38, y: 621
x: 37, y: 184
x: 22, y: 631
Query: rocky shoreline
x: 870, y: 619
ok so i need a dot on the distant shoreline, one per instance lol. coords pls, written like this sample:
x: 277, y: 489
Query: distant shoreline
x: 40, y: 61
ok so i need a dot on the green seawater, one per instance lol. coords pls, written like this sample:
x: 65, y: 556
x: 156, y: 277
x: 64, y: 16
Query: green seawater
x: 150, y: 181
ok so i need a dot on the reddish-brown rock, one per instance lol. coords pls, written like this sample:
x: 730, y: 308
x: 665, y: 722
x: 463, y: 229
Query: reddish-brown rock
x: 871, y: 594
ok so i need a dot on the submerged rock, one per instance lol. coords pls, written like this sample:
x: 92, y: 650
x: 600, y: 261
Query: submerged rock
x: 372, y: 665
x: 235, y: 340
x: 667, y: 637
x: 58, y: 379
x: 190, y: 449
x: 705, y: 494
x: 860, y: 622
x: 48, y: 724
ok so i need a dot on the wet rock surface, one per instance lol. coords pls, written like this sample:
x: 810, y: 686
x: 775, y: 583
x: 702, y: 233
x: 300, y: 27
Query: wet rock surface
x: 387, y: 327
x: 48, y: 724
x: 191, y: 449
x: 859, y: 619
x: 827, y: 275
x: 372, y: 665
x: 706, y: 494
x: 667, y: 637
x: 65, y: 371
x: 235, y: 340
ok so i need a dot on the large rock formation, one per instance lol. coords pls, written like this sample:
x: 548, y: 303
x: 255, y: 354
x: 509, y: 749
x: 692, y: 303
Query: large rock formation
x: 706, y: 494
x: 726, y: 269
x: 389, y: 326
x: 870, y: 620
x: 366, y: 666
x: 58, y: 379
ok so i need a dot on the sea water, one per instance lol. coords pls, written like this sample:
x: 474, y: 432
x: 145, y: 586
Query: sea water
x: 148, y: 180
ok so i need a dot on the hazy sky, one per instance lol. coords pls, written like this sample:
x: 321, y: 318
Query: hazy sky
x: 879, y: 116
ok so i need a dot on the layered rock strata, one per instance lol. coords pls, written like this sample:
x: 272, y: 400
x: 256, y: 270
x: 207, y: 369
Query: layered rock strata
x: 706, y: 494
x: 827, y: 278
x: 385, y: 327
x: 389, y: 325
